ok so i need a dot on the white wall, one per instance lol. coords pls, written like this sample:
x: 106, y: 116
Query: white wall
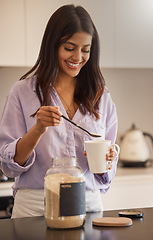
x: 131, y: 90
x: 8, y: 75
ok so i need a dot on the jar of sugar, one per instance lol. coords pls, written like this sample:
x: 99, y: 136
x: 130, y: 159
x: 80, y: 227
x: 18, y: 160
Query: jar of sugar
x: 64, y: 194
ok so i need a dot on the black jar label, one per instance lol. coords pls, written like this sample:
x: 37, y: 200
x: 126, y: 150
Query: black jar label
x: 72, y: 199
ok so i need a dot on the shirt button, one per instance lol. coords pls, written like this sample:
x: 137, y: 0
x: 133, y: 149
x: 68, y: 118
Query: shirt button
x: 69, y: 127
x: 71, y: 143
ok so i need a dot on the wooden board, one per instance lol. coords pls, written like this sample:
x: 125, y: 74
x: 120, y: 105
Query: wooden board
x: 112, y: 221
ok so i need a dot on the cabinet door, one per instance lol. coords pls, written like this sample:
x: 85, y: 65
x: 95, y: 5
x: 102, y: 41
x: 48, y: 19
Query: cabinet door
x: 132, y: 191
x: 12, y: 33
x: 37, y: 16
x: 133, y: 33
x: 102, y: 14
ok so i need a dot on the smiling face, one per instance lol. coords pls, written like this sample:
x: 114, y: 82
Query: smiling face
x: 73, y: 54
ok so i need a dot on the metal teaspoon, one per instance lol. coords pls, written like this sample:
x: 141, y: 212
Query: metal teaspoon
x: 91, y: 134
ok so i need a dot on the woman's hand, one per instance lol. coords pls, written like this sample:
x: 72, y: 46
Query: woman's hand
x: 110, y: 157
x: 48, y: 116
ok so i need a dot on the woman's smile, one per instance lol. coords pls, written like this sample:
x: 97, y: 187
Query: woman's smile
x: 73, y: 65
x: 74, y: 54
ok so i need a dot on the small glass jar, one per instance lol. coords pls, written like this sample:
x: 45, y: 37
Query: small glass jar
x: 64, y: 194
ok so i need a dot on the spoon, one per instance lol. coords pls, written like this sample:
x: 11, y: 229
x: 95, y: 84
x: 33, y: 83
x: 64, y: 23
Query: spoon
x: 91, y: 134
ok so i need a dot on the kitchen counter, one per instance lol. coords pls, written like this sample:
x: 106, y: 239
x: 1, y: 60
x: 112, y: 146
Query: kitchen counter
x: 6, y: 189
x: 130, y: 188
x: 34, y: 228
x: 135, y: 171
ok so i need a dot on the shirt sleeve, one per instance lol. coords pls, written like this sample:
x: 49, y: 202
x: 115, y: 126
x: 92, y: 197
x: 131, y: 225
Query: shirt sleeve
x: 12, y: 128
x: 110, y: 134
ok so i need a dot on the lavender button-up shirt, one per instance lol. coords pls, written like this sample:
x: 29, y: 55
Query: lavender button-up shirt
x: 57, y: 141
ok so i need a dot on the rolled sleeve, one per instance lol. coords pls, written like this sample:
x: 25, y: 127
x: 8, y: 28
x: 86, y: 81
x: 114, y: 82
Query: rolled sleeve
x: 104, y: 181
x: 106, y: 178
x: 9, y: 166
x: 12, y: 128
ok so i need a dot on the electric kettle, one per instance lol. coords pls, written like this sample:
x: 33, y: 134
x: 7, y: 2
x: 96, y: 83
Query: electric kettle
x: 134, y: 147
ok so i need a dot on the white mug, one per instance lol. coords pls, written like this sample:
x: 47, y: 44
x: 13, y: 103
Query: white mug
x: 96, y: 151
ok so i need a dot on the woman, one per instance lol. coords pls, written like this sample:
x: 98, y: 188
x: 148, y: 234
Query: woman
x: 66, y: 79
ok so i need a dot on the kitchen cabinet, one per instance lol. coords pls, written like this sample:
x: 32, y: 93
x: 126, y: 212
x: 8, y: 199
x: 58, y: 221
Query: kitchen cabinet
x: 6, y: 189
x: 125, y: 30
x: 37, y: 16
x: 6, y: 199
x: 101, y: 13
x: 133, y: 33
x: 130, y: 188
x: 12, y: 33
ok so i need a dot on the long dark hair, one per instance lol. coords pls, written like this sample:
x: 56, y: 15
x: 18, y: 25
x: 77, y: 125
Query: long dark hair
x: 64, y: 22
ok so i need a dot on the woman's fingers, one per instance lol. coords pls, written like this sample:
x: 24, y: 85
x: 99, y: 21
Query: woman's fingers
x: 84, y: 153
x: 49, y: 116
x: 110, y: 157
x: 50, y: 111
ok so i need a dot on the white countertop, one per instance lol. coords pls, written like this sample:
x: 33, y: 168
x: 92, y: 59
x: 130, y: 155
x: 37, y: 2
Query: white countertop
x: 130, y: 175
x: 6, y: 189
x: 134, y: 171
x: 130, y: 188
x: 123, y: 173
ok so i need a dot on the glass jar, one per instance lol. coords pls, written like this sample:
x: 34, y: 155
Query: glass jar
x: 64, y: 194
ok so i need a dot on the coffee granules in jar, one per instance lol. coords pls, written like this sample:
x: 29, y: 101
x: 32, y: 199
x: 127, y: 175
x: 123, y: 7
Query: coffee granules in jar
x: 64, y: 194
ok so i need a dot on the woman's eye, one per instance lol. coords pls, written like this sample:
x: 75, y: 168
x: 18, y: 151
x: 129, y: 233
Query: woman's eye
x: 68, y: 49
x: 86, y: 51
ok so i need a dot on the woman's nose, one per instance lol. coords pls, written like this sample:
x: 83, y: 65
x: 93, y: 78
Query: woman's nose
x: 77, y: 55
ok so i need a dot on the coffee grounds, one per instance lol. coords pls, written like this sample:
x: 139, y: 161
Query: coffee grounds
x: 52, y: 195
